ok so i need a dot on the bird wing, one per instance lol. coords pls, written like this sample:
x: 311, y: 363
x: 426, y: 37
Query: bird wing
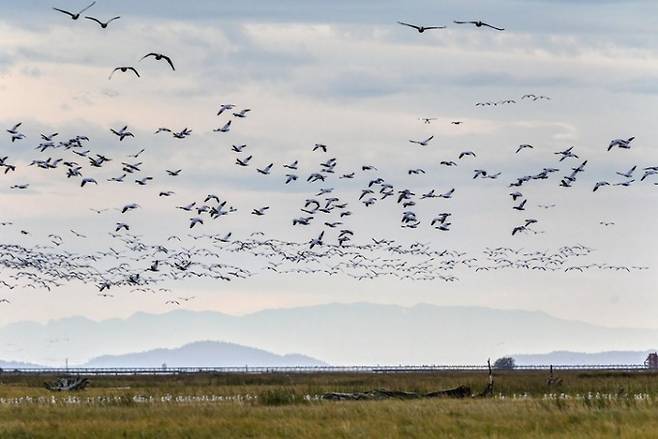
x: 111, y: 74
x: 410, y: 25
x: 170, y: 62
x: 112, y: 19
x: 135, y: 71
x: 149, y: 54
x: 90, y: 5
x: 435, y: 27
x: 64, y: 12
x: 94, y: 19
x: 462, y: 22
x: 492, y: 27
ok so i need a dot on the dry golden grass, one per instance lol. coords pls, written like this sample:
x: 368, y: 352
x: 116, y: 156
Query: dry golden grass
x: 381, y: 419
x: 617, y: 412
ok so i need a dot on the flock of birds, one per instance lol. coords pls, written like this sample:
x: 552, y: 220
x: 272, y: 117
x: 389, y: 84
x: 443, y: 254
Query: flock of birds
x: 134, y: 262
x: 476, y: 23
x: 104, y: 24
x: 527, y: 97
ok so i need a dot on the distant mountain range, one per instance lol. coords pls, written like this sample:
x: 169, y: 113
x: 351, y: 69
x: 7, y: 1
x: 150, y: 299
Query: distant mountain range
x: 7, y: 365
x: 340, y: 334
x: 580, y: 358
x: 204, y: 354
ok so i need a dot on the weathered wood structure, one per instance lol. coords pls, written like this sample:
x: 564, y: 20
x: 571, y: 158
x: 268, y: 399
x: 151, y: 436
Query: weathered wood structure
x: 67, y: 384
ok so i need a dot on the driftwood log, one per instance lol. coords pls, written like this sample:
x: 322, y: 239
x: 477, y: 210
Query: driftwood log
x: 67, y: 384
x: 455, y: 392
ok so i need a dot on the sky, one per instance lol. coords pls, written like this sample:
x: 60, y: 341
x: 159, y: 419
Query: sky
x: 344, y: 74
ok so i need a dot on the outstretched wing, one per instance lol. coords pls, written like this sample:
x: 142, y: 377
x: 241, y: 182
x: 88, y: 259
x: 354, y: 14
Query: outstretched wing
x: 64, y: 12
x: 462, y: 22
x: 170, y: 62
x: 112, y: 74
x: 410, y: 25
x: 112, y: 19
x: 435, y: 27
x: 148, y: 54
x: 135, y: 71
x: 94, y: 19
x: 492, y: 27
x: 85, y: 9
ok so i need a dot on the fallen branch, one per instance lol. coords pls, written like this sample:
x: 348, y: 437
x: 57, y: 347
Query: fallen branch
x: 378, y: 394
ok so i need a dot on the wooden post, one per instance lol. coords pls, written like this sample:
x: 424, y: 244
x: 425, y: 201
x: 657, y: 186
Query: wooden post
x: 488, y: 391
x: 491, y: 380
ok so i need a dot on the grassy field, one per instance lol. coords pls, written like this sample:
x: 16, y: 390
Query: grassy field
x: 584, y: 405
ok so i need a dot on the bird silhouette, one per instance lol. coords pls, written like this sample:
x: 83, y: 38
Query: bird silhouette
x: 75, y: 16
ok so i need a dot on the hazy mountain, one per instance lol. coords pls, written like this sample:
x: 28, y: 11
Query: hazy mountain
x: 357, y: 333
x: 204, y: 354
x: 17, y: 365
x: 575, y: 358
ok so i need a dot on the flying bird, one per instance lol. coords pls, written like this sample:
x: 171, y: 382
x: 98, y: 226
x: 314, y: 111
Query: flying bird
x: 621, y: 143
x: 225, y: 129
x: 317, y: 241
x: 522, y: 147
x: 243, y: 113
x: 159, y: 57
x: 520, y: 206
x: 124, y: 69
x: 628, y: 174
x: 122, y: 133
x: 421, y: 29
x: 195, y: 221
x: 243, y: 162
x: 478, y: 23
x: 292, y: 165
x: 266, y: 170
x: 103, y: 24
x: 88, y: 180
x: 122, y: 226
x: 77, y: 15
x: 225, y: 107
x: 422, y: 142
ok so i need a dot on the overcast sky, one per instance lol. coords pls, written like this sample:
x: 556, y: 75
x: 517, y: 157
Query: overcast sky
x: 345, y: 74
